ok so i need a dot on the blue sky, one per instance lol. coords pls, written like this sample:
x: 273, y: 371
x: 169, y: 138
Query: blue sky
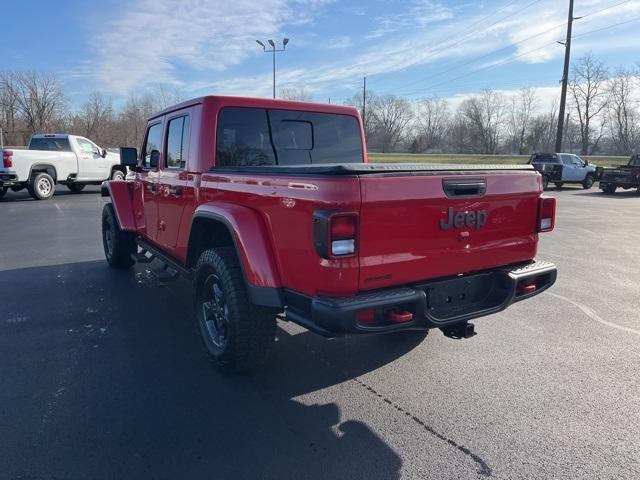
x: 416, y: 49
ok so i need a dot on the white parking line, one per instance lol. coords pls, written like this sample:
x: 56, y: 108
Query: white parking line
x: 594, y: 316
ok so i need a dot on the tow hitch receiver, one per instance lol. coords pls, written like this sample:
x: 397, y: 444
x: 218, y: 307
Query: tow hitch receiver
x: 459, y: 331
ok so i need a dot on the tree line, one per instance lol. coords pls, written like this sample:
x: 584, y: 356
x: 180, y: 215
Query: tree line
x: 603, y: 118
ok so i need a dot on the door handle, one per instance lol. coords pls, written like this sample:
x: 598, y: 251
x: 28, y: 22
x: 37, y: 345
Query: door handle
x: 176, y: 190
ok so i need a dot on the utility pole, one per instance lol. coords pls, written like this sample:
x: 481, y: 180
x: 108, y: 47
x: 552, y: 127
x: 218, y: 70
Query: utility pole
x: 364, y: 105
x: 273, y: 50
x: 565, y: 78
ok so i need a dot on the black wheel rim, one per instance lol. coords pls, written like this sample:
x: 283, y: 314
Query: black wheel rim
x: 215, y: 312
x: 108, y: 239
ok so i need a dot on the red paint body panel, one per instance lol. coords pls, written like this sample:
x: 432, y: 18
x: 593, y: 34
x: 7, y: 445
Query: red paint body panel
x: 251, y: 240
x: 399, y: 238
x: 120, y: 193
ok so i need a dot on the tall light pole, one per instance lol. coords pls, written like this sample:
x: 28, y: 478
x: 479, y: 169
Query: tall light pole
x: 565, y: 77
x: 274, y: 50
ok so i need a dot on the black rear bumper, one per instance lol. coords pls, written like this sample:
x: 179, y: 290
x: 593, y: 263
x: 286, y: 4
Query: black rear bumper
x: 8, y: 179
x: 434, y: 304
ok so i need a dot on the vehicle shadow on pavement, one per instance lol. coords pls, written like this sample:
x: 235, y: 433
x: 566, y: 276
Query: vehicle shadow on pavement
x: 104, y: 377
x: 61, y: 191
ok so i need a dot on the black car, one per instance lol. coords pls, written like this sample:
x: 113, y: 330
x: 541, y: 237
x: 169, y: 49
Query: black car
x: 623, y: 176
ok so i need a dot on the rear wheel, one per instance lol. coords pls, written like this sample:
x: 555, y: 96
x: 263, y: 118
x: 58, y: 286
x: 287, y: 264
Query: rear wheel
x: 117, y: 175
x: 545, y: 182
x: 609, y: 189
x: 75, y: 187
x: 118, y: 245
x: 559, y: 184
x: 3, y: 192
x: 588, y: 182
x: 237, y: 334
x: 41, y: 186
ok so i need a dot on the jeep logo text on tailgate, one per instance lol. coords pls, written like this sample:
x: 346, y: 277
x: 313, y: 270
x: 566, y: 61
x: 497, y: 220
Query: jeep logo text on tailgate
x: 467, y: 219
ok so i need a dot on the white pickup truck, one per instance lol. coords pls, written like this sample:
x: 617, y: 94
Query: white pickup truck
x: 57, y: 158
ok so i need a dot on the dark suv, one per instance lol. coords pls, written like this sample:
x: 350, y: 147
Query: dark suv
x: 561, y: 168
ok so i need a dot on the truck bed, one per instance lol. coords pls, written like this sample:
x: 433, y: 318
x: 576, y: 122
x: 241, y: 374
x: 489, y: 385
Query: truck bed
x: 353, y: 169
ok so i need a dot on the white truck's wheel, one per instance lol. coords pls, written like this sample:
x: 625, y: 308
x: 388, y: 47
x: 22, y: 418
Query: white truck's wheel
x: 117, y: 175
x: 41, y: 186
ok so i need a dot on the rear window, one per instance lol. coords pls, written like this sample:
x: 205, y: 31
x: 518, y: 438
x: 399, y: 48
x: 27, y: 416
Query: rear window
x: 544, y: 158
x: 51, y: 144
x: 255, y: 137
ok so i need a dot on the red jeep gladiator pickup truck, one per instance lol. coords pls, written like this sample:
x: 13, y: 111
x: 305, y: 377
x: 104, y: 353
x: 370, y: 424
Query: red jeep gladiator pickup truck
x: 270, y: 206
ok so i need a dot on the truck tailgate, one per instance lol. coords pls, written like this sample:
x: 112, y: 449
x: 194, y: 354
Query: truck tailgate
x: 420, y: 226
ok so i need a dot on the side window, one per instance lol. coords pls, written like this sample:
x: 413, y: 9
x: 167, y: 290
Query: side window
x: 86, y: 147
x: 566, y: 159
x: 152, y: 142
x: 178, y: 143
x: 577, y: 161
x: 243, y: 138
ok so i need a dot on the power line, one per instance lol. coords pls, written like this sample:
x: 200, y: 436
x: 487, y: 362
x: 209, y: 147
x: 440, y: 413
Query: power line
x: 605, y: 9
x: 635, y: 19
x: 442, y: 42
x: 461, y: 40
x: 504, y: 62
x: 475, y: 59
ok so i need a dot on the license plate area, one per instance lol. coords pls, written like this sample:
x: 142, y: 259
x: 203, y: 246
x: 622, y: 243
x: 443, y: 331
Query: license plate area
x: 460, y: 296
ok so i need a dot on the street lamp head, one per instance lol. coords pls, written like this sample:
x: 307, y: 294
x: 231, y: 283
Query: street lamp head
x: 261, y: 44
x: 271, y: 43
x: 285, y: 41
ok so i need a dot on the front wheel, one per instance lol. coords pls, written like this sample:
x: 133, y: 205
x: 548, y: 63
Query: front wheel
x: 545, y: 182
x: 118, y: 245
x: 609, y: 189
x: 75, y: 187
x: 3, y: 192
x: 41, y: 186
x: 236, y: 334
x: 559, y: 184
x: 588, y: 182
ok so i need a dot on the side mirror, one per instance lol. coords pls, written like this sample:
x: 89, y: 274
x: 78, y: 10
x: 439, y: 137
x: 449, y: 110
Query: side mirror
x: 129, y: 156
x: 154, y: 161
x: 103, y: 153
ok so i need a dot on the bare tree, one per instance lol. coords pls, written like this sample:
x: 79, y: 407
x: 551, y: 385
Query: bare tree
x: 624, y: 121
x: 588, y: 88
x: 294, y: 93
x: 357, y: 102
x: 484, y: 114
x: 542, y: 131
x: 390, y: 117
x: 40, y: 99
x: 8, y: 100
x: 96, y: 118
x: 164, y: 96
x: 521, y: 109
x: 432, y: 122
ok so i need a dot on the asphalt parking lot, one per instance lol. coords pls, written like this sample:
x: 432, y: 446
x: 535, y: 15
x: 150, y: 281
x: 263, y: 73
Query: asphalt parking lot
x: 102, y: 375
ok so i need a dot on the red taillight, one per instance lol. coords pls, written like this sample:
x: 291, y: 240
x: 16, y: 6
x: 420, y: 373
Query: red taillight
x: 334, y: 234
x: 7, y: 158
x: 546, y: 214
x: 343, y: 227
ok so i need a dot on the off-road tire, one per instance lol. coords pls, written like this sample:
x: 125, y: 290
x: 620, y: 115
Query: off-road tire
x: 117, y: 175
x: 248, y: 330
x: 118, y: 245
x: 41, y: 186
x: 559, y: 184
x: 588, y: 182
x: 545, y: 182
x: 609, y: 189
x: 75, y: 187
